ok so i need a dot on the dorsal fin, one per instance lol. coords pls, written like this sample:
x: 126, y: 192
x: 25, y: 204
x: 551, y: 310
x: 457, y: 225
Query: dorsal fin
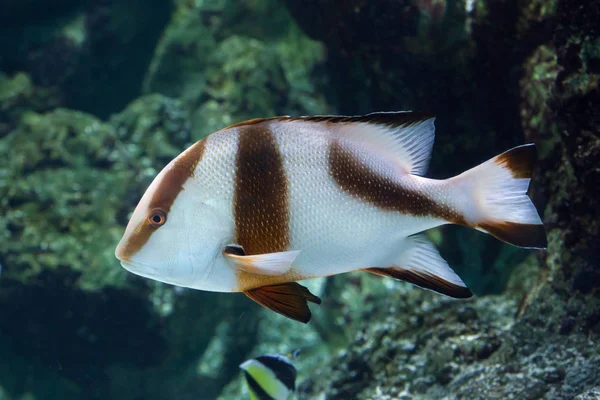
x: 407, y: 135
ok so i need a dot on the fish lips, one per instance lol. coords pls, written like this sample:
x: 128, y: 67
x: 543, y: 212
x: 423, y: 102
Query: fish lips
x: 154, y: 273
x: 145, y: 270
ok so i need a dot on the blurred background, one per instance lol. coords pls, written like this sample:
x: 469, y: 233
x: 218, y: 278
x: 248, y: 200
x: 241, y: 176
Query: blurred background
x: 96, y: 96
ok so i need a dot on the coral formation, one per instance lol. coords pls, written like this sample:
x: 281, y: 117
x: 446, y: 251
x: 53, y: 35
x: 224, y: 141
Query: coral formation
x: 68, y: 307
x: 545, y: 347
x: 93, y: 54
x: 76, y: 169
x: 97, y: 96
x: 226, y: 69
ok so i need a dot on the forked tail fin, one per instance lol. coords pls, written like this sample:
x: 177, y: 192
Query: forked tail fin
x: 501, y: 207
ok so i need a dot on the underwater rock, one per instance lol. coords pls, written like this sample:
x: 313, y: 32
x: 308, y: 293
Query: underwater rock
x: 63, y: 188
x: 75, y: 325
x: 227, y: 67
x: 570, y: 177
x: 538, y: 339
x: 153, y: 127
x: 178, y: 67
x: 17, y: 95
x: 60, y: 174
x: 120, y: 37
x: 453, y: 59
x: 66, y: 180
x: 413, y: 344
x: 593, y: 394
x: 418, y: 345
x: 72, y: 180
x: 73, y: 319
x: 93, y: 53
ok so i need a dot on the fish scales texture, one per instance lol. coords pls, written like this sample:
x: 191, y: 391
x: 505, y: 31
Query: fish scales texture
x: 379, y: 184
x: 261, y: 193
x: 279, y: 200
x: 335, y: 231
x: 328, y: 219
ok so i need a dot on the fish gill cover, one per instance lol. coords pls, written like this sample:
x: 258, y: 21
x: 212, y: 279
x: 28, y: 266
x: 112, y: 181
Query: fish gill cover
x: 97, y: 96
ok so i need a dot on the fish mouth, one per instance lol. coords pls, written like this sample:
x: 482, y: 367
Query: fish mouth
x: 140, y: 269
x: 150, y: 272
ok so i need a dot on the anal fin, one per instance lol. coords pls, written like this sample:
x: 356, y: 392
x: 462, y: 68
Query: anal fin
x: 288, y: 299
x: 420, y: 263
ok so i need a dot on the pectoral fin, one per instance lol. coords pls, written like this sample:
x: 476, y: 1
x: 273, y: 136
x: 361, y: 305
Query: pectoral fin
x: 271, y: 264
x: 420, y: 264
x: 288, y: 299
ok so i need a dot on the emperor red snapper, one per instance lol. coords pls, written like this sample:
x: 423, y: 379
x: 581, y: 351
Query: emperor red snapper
x: 260, y: 205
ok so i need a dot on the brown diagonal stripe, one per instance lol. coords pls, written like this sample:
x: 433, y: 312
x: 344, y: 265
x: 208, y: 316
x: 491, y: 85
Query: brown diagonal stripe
x: 164, y: 196
x: 260, y: 193
x: 357, y: 179
x: 173, y: 180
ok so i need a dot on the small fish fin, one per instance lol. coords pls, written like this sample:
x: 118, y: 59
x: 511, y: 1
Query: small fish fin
x: 408, y: 135
x: 269, y: 380
x: 271, y: 264
x: 498, y: 190
x: 420, y: 263
x: 288, y: 299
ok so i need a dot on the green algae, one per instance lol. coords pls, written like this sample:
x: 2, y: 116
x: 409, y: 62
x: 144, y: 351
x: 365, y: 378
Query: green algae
x: 19, y: 94
x: 61, y: 209
x: 224, y: 73
x: 66, y: 180
x: 72, y: 179
x: 535, y: 339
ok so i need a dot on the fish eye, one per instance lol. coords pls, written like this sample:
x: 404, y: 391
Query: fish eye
x: 157, y: 217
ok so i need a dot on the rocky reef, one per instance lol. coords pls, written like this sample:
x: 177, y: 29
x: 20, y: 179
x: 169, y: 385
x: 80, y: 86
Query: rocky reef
x: 74, y: 323
x: 97, y: 96
x: 538, y: 338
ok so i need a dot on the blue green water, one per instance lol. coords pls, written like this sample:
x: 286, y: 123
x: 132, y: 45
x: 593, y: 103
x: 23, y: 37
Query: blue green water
x: 97, y: 96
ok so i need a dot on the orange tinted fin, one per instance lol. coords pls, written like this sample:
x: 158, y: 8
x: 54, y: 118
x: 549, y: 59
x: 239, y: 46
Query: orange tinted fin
x: 425, y: 281
x: 288, y: 299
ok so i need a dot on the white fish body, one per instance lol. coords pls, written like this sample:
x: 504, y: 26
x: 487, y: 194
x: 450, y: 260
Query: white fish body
x: 266, y: 203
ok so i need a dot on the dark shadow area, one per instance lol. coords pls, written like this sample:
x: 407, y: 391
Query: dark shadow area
x: 94, y: 52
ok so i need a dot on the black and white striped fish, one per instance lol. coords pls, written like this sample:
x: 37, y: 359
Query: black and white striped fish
x: 270, y: 376
x: 260, y: 205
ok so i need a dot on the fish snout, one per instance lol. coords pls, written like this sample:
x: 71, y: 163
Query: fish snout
x: 140, y: 269
x: 121, y: 251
